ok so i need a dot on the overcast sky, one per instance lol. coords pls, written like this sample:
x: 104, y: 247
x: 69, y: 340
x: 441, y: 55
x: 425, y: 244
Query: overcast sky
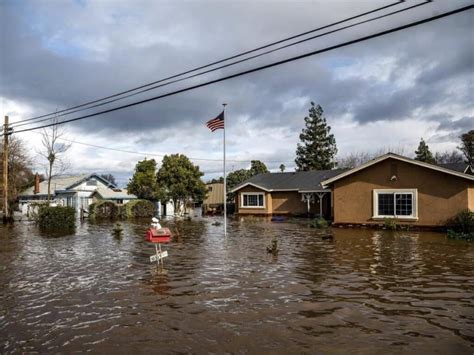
x: 385, y: 93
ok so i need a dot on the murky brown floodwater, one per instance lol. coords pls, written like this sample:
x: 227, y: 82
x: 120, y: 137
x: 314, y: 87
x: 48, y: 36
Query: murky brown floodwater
x: 363, y: 292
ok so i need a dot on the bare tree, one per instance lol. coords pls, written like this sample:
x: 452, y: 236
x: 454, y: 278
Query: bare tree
x: 358, y: 158
x: 20, y: 175
x: 353, y: 160
x: 449, y: 157
x: 52, y: 151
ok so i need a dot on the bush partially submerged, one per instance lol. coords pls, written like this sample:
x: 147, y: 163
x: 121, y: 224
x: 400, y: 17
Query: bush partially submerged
x: 140, y: 208
x: 461, y: 226
x: 110, y: 210
x: 319, y: 223
x: 104, y: 210
x: 56, y: 218
x: 390, y: 224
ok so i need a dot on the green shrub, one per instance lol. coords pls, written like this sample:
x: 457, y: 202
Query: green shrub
x: 139, y: 208
x: 56, y: 218
x: 104, y: 210
x: 461, y: 236
x: 319, y: 223
x: 463, y: 222
x: 461, y: 226
x: 390, y: 224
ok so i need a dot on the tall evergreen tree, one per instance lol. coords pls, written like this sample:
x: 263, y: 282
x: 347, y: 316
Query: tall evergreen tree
x: 317, y: 149
x: 467, y: 147
x: 423, y: 153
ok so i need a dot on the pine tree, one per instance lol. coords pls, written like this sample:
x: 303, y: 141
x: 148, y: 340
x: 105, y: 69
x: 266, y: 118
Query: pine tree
x: 318, y: 146
x: 467, y: 147
x: 423, y: 153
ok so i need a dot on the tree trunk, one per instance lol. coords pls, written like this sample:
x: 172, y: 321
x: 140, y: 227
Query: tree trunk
x: 49, y: 180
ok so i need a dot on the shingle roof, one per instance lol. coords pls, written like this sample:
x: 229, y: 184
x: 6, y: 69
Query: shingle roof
x: 57, y: 184
x: 300, y: 180
x: 461, y: 167
x: 115, y: 194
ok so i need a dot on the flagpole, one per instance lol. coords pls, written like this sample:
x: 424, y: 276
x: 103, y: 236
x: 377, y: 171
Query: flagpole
x: 225, y: 181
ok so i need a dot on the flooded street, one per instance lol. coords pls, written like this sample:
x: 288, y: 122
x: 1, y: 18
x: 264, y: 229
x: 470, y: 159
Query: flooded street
x: 364, y: 291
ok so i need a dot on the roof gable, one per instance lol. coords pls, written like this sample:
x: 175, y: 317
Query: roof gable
x: 88, y: 177
x: 290, y: 181
x: 401, y: 158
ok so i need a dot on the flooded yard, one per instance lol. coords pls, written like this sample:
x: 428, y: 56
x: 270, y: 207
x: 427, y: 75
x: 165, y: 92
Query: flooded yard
x: 364, y: 291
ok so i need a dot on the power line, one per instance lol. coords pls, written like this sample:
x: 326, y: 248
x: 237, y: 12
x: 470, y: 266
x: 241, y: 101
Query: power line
x: 288, y: 60
x: 162, y: 155
x: 215, y: 62
x: 223, y: 66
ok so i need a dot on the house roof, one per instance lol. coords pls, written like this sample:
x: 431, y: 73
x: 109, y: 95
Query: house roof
x: 63, y: 183
x: 57, y: 183
x: 115, y: 194
x: 291, y: 181
x: 460, y: 167
x: 401, y: 158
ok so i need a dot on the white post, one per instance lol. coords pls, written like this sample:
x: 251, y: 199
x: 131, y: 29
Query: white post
x: 225, y: 182
x: 321, y: 196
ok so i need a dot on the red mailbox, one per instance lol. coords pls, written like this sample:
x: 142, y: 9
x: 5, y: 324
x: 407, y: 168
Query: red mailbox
x: 162, y: 235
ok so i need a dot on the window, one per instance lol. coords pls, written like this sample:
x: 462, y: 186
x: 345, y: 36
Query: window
x: 395, y: 203
x: 252, y: 200
x: 91, y: 182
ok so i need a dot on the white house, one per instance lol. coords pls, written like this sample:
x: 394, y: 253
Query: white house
x: 73, y: 191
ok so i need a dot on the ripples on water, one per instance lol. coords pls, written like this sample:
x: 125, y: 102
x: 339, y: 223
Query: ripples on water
x: 364, y: 291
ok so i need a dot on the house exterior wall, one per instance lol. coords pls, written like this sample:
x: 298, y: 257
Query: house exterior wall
x: 281, y: 203
x: 85, y: 187
x: 440, y: 195
x: 264, y: 211
x: 215, y: 194
x: 470, y: 193
x: 289, y: 202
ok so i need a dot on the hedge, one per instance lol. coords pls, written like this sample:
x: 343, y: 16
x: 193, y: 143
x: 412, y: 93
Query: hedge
x: 56, y: 218
x: 461, y: 226
x: 140, y: 208
x: 110, y: 210
x: 104, y: 210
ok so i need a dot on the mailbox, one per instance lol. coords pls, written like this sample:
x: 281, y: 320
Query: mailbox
x: 162, y: 235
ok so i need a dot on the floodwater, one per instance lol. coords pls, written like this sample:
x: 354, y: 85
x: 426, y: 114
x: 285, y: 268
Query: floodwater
x: 364, y: 291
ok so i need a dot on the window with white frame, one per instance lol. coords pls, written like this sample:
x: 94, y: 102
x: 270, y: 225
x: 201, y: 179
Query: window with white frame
x: 252, y: 200
x: 395, y: 203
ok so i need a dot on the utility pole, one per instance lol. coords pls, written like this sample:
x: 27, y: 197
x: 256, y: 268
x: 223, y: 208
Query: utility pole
x: 6, y: 132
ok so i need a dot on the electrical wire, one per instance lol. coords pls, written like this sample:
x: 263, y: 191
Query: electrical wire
x: 162, y: 155
x: 215, y: 62
x: 277, y: 63
x: 223, y: 66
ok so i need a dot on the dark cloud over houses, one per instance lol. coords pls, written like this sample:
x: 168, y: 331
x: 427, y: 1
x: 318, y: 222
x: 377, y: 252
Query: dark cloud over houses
x: 60, y: 54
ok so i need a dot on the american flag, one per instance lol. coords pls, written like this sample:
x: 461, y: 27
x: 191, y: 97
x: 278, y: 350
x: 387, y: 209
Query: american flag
x: 216, y: 123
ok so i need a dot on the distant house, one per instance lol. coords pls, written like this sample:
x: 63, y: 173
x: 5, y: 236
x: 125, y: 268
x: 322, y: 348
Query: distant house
x: 288, y: 193
x: 393, y: 186
x: 119, y: 196
x: 74, y: 191
x: 214, y: 201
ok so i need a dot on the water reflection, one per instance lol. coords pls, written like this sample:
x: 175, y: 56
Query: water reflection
x: 365, y: 290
